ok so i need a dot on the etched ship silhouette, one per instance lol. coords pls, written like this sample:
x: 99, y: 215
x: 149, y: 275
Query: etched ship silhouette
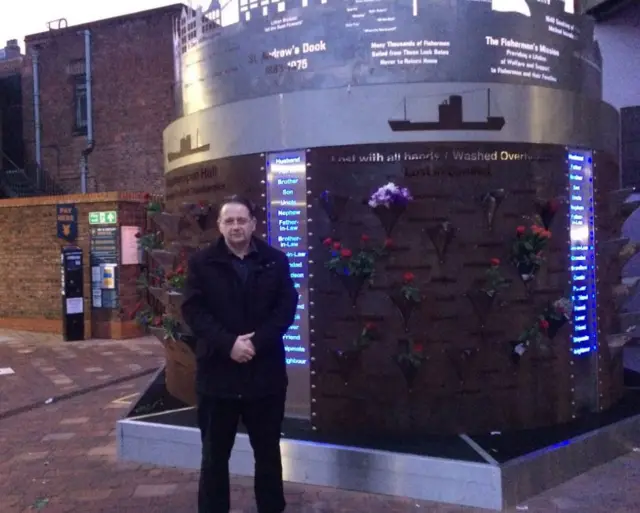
x: 449, y: 118
x: 186, y: 149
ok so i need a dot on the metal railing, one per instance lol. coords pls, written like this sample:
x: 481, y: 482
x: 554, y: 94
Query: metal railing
x: 31, y: 181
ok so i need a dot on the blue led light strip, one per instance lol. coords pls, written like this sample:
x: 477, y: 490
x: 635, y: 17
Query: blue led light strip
x: 287, y: 230
x: 582, y: 256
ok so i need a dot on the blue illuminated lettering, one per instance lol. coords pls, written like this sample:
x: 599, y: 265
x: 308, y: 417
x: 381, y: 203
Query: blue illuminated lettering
x: 582, y: 253
x: 287, y: 231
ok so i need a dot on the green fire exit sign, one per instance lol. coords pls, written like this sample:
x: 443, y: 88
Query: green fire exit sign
x: 109, y: 217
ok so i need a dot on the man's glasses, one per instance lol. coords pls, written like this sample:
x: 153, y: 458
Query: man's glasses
x: 230, y: 221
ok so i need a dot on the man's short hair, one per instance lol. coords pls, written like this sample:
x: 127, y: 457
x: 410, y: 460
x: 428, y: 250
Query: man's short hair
x: 238, y: 200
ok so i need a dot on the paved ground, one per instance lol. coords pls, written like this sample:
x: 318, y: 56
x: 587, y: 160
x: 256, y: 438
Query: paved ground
x: 46, y: 367
x: 60, y: 457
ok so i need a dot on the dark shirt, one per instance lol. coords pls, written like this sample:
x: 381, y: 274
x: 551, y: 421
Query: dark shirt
x: 244, y: 266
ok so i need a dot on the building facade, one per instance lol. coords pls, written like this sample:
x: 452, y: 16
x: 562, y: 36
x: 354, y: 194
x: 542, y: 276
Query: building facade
x: 131, y: 70
x: 619, y: 38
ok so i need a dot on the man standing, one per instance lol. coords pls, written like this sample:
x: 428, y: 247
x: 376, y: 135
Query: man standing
x: 239, y: 302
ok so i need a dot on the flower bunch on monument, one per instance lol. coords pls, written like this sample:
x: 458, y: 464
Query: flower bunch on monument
x: 409, y: 291
x: 545, y: 325
x: 344, y: 261
x: 560, y: 309
x: 527, y: 250
x: 410, y: 353
x: 390, y: 196
x: 494, y: 281
x: 367, y: 335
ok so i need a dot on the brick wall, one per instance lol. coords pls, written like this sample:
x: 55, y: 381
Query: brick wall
x: 30, y: 285
x: 133, y: 75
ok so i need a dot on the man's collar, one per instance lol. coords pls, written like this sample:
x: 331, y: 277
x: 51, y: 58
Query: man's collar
x: 219, y: 250
x: 251, y: 250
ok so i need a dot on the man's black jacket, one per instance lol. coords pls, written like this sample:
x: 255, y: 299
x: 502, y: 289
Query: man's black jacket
x: 221, y: 303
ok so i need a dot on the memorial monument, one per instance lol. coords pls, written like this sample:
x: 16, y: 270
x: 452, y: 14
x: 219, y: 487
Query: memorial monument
x: 443, y: 177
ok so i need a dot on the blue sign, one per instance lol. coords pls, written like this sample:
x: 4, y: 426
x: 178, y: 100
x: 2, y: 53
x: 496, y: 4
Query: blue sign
x: 67, y: 222
x: 582, y: 252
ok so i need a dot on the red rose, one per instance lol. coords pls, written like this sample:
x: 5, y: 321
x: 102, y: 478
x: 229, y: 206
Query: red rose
x: 336, y: 245
x: 370, y: 326
x: 536, y: 229
x: 327, y: 241
x: 179, y: 270
x: 157, y: 321
x: 418, y: 348
x: 364, y: 237
x: 408, y: 277
x: 520, y: 230
x: 345, y: 253
x: 545, y: 234
x: 495, y: 262
x: 544, y: 324
x: 138, y: 235
x: 388, y: 243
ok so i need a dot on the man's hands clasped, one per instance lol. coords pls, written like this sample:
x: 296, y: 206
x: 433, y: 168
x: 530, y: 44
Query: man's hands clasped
x: 243, y: 350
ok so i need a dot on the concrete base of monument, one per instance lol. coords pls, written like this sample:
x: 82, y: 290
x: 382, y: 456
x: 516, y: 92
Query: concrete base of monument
x: 495, y: 471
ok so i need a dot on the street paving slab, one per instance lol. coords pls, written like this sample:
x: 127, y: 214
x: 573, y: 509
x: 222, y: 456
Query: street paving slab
x: 60, y: 457
x: 44, y: 367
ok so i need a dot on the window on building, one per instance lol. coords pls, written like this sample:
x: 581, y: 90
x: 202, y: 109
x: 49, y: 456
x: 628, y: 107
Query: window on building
x: 80, y: 105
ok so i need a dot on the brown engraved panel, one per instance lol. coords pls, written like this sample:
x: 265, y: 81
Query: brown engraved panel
x: 468, y: 382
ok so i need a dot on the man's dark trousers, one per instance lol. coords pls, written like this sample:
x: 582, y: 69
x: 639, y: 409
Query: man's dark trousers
x: 218, y: 421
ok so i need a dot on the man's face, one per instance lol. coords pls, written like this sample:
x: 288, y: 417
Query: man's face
x: 236, y: 224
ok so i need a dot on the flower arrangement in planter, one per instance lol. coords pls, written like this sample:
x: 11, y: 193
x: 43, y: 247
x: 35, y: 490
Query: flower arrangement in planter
x: 546, y: 325
x: 388, y: 203
x: 527, y: 250
x: 171, y: 327
x: 177, y: 278
x: 348, y: 359
x: 547, y: 211
x: 406, y: 298
x: 149, y: 241
x: 482, y: 298
x: 353, y: 268
x: 409, y: 358
x: 165, y: 327
x: 143, y: 315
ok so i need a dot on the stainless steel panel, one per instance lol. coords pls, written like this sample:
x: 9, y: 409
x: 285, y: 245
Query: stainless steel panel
x: 422, y: 478
x: 360, y: 115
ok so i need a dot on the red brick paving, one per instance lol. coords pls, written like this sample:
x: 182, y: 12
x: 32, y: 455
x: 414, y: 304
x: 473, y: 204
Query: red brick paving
x: 47, y: 367
x: 60, y: 458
